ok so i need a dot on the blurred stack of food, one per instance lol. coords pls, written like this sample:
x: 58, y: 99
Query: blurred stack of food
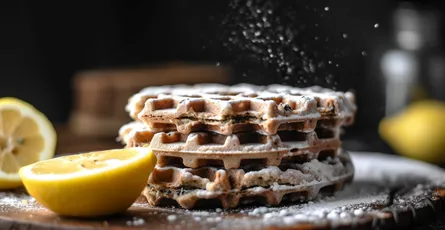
x: 101, y: 95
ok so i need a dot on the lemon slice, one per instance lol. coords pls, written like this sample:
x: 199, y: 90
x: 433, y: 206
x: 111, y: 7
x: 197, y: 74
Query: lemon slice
x: 26, y: 136
x: 90, y: 184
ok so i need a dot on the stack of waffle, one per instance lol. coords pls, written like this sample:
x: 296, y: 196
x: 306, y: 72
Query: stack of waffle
x: 220, y: 145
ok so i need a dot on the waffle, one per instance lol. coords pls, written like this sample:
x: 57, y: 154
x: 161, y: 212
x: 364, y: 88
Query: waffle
x: 219, y: 179
x: 135, y: 134
x: 272, y: 194
x: 203, y: 148
x: 227, y: 110
x: 136, y: 102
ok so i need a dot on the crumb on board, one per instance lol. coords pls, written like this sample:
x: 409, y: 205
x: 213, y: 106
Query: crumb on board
x: 172, y: 218
x: 135, y: 222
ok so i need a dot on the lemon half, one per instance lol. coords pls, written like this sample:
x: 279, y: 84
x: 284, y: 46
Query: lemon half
x: 90, y: 184
x: 26, y: 136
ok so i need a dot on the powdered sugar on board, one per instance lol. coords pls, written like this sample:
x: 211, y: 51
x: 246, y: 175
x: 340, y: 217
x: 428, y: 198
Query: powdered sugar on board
x: 383, y: 184
x: 401, y: 168
x: 18, y: 200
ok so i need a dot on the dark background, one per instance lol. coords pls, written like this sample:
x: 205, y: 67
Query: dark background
x: 43, y: 45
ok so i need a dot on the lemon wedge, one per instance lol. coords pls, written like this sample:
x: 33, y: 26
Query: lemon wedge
x: 26, y: 136
x: 90, y: 184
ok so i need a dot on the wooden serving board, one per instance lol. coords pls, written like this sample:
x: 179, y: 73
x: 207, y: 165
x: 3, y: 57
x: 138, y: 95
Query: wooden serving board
x: 387, y: 192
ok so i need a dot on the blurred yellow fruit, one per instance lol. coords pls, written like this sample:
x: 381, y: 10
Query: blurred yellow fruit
x: 26, y: 136
x: 417, y: 132
x: 90, y: 184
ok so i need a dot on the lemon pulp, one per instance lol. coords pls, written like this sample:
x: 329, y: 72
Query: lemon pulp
x: 26, y: 137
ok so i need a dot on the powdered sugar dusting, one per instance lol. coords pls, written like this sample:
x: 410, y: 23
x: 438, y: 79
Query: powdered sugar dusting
x: 406, y: 168
x: 19, y: 201
x: 135, y: 222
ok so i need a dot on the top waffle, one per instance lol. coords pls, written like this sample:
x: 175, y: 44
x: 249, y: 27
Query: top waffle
x: 230, y: 109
